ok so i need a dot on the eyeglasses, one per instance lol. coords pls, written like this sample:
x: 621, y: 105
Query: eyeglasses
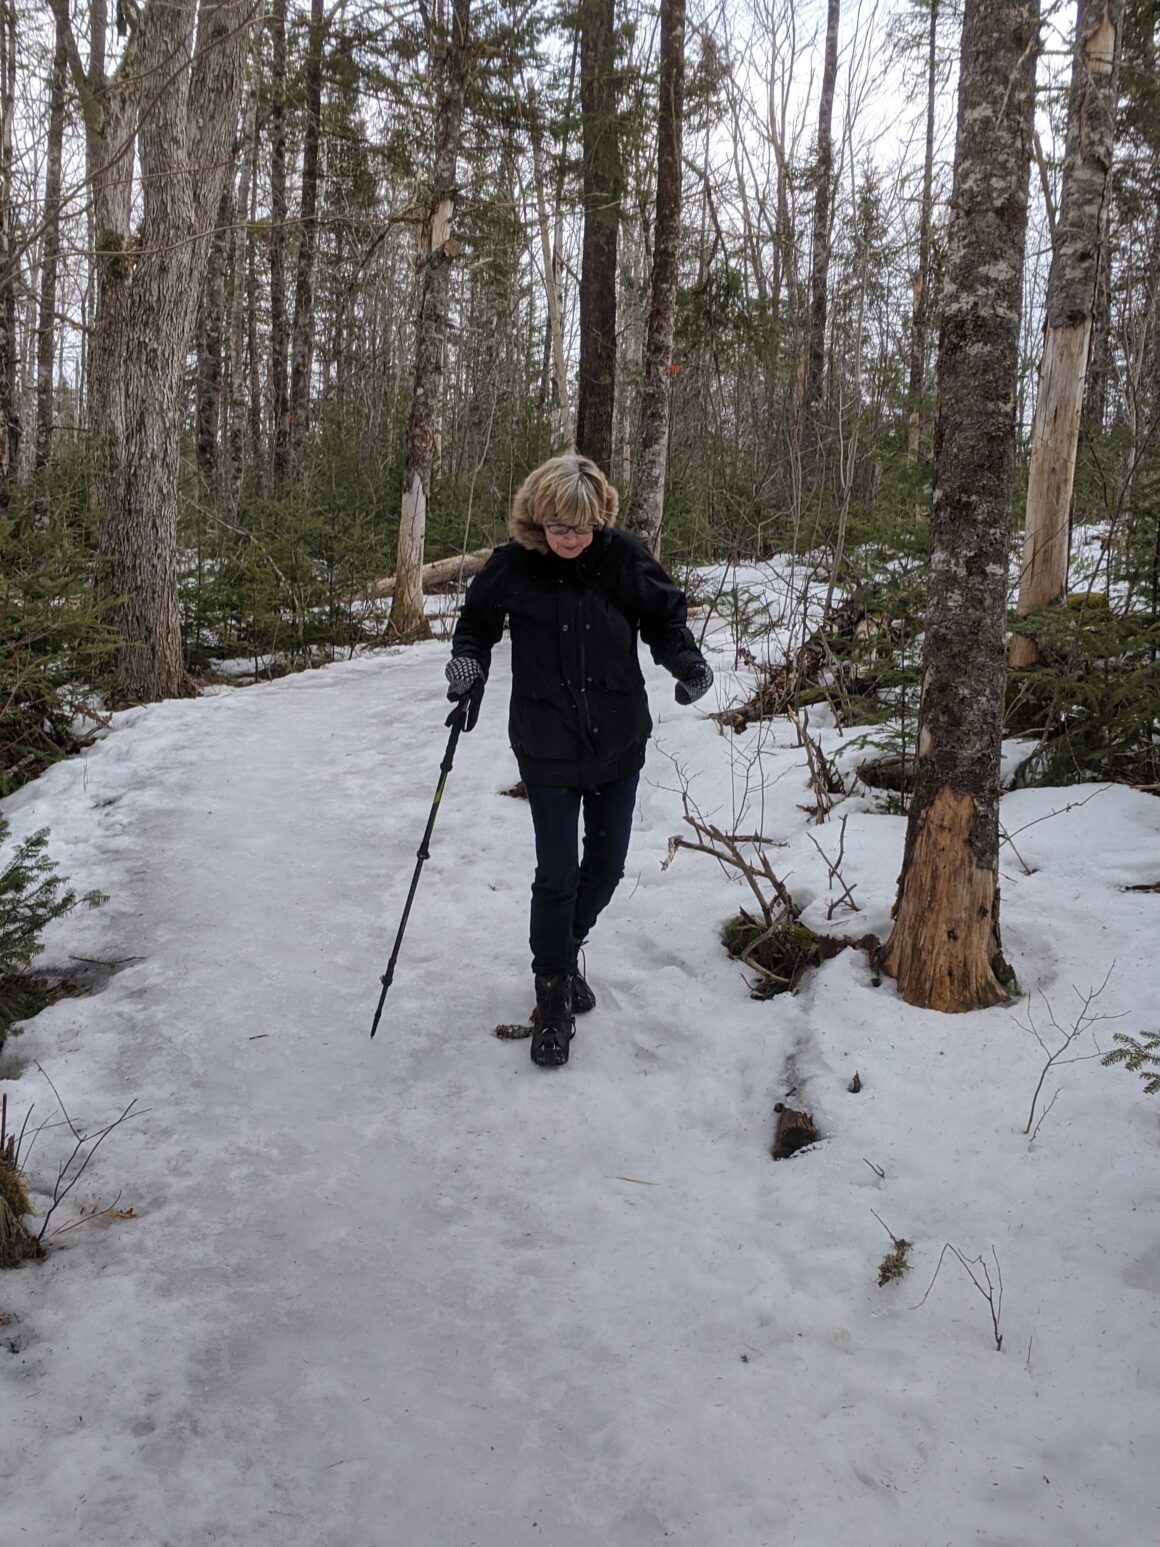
x: 558, y: 530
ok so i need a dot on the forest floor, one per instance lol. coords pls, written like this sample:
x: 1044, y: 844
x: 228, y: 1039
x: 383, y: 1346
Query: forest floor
x: 416, y: 1292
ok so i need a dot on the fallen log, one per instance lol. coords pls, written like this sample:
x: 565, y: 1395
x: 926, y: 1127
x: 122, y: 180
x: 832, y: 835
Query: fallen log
x: 460, y: 566
x: 795, y: 682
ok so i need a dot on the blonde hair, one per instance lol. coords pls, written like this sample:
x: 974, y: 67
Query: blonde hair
x: 566, y: 491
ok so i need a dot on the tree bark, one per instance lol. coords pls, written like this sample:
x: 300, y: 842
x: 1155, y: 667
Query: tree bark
x: 656, y: 392
x: 302, y: 338
x: 241, y: 248
x: 9, y: 263
x: 184, y: 140
x: 451, y: 65
x: 50, y: 252
x: 1072, y: 291
x: 945, y: 948
x: 922, y: 273
x: 820, y: 244
x: 279, y: 344
x: 253, y: 349
x: 1099, y: 368
x: 109, y: 105
x: 603, y: 183
x: 561, y: 418
x: 211, y: 343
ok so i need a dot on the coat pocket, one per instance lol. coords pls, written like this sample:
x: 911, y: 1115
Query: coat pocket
x: 544, y: 725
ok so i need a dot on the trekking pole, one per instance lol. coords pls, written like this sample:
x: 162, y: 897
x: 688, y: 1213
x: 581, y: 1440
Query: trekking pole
x: 466, y: 709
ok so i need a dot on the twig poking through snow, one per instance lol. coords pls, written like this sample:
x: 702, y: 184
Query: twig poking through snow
x: 834, y: 866
x: 1084, y: 1021
x: 991, y: 1292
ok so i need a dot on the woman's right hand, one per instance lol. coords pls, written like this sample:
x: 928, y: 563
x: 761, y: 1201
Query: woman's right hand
x: 465, y: 679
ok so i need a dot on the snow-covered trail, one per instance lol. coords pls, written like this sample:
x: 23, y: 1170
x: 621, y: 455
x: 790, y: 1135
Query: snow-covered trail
x: 393, y: 1292
x: 418, y: 1293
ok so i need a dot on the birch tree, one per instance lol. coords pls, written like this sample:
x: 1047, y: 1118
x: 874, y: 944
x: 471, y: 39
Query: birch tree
x: 945, y: 949
x: 1079, y: 253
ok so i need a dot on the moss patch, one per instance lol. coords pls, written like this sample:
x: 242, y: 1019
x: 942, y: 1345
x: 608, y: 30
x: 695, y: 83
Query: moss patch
x: 780, y: 953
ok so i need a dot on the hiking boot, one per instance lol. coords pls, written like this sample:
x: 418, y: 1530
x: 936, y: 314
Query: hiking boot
x: 583, y: 999
x: 552, y: 1025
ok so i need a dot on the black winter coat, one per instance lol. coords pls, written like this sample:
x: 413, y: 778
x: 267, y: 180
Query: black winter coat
x: 579, y: 713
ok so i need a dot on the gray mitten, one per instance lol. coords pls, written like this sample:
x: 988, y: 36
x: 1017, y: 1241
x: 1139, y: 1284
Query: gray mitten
x: 465, y: 679
x: 695, y: 684
x: 462, y: 673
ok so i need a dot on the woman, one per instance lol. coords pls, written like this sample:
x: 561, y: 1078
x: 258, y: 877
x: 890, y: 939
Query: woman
x: 576, y: 593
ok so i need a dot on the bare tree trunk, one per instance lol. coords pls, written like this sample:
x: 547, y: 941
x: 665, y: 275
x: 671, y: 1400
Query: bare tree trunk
x: 603, y: 182
x: 183, y: 144
x: 1095, y: 398
x: 922, y: 273
x: 50, y: 252
x: 452, y: 62
x: 241, y: 249
x: 109, y: 105
x: 211, y: 341
x: 302, y: 338
x: 9, y: 260
x: 945, y: 948
x: 1072, y: 289
x: 279, y: 373
x: 820, y: 245
x: 658, y: 355
x: 561, y: 417
x: 253, y: 354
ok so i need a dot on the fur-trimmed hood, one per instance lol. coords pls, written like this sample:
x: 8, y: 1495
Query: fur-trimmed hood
x: 570, y: 489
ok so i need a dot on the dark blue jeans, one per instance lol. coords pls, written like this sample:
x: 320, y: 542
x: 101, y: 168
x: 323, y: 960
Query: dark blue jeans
x: 570, y: 892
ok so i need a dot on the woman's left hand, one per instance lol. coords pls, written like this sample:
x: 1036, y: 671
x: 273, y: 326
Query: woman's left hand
x: 695, y: 685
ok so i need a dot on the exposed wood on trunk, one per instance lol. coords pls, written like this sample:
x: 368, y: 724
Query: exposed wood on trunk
x: 942, y: 954
x: 944, y: 948
x: 1072, y: 291
x: 603, y: 183
x: 440, y: 572
x: 451, y: 64
x: 658, y: 350
x: 1054, y: 443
